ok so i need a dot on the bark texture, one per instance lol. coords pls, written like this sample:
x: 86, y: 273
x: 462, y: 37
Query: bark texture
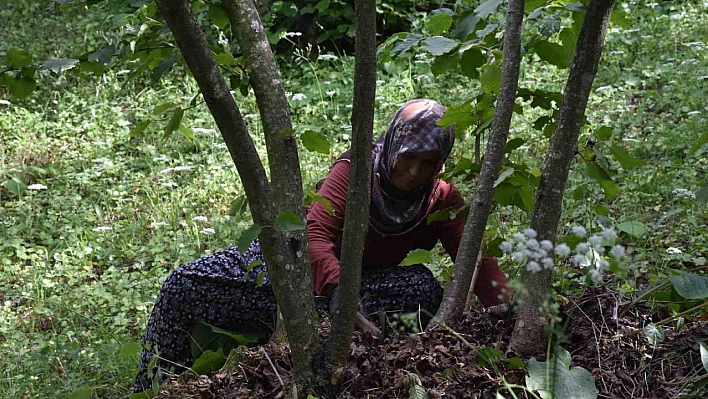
x: 453, y: 303
x: 528, y: 337
x: 285, y: 252
x: 356, y: 218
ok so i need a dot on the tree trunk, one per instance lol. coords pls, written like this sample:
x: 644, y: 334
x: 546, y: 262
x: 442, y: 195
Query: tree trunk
x: 285, y: 252
x: 528, y: 337
x: 456, y: 292
x: 356, y: 219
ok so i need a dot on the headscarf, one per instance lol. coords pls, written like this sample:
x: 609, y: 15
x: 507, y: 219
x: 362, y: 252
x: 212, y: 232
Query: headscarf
x: 392, y: 210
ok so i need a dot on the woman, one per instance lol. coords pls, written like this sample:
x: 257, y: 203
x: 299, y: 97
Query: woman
x: 218, y: 289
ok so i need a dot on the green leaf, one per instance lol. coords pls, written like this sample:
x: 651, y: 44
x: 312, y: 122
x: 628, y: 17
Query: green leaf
x: 103, y: 55
x: 569, y: 383
x: 21, y: 88
x: 209, y: 361
x: 689, y: 285
x: 491, y: 78
x: 633, y: 228
x: 322, y: 6
x: 247, y: 237
x: 406, y: 44
x: 130, y: 349
x: 442, y: 215
x: 82, y: 392
x: 225, y: 58
x: 601, y: 210
x: 140, y: 127
x: 253, y: 264
x: 604, y: 133
x: 620, y: 18
x: 417, y: 392
x: 160, y: 109
x: 534, y: 4
x: 218, y: 15
x: 465, y: 27
x: 174, y: 122
x: 610, y: 188
x: 503, y: 175
x: 698, y: 143
x: 627, y: 161
x: 443, y: 63
x: 513, y: 144
x: 654, y: 334
x: 487, y: 8
x: 702, y: 195
x: 16, y: 58
x: 438, y: 23
x: 415, y: 257
x: 438, y: 45
x: 488, y: 356
x: 238, y: 206
x: 460, y: 115
x: 528, y: 197
x: 16, y: 186
x: 58, y: 65
x: 163, y: 67
x: 315, y: 141
x: 313, y: 197
x: 704, y: 355
x: 239, y: 338
x: 288, y: 221
x: 186, y: 132
x: 260, y: 279
x: 471, y: 60
x: 554, y: 53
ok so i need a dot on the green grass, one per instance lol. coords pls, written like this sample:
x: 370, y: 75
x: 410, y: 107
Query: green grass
x: 72, y: 294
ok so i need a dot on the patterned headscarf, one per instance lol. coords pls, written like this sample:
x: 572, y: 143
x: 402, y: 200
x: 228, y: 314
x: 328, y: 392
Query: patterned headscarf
x: 392, y: 210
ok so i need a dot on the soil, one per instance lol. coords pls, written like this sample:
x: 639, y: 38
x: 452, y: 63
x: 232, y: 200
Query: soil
x: 601, y: 339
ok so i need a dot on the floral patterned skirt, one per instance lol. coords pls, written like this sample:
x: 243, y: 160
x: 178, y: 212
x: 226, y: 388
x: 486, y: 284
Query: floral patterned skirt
x: 219, y: 289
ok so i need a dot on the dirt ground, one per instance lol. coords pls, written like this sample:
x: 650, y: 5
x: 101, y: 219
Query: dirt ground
x: 599, y: 337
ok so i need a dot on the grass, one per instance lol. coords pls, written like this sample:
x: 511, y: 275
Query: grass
x: 82, y: 260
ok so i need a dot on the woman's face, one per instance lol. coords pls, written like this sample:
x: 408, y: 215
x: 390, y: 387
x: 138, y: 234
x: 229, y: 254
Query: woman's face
x: 412, y: 170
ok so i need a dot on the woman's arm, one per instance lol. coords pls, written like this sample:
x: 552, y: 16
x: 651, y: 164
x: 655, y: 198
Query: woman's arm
x: 491, y: 282
x: 324, y: 231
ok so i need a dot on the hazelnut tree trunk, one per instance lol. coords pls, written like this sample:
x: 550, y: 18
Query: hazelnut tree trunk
x: 528, y: 337
x: 285, y: 250
x: 455, y: 297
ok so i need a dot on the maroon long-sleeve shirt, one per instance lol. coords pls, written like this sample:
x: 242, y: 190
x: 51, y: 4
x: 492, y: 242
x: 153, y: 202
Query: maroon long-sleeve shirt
x: 380, y: 250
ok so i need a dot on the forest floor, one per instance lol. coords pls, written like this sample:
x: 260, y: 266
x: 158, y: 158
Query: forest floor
x: 603, y: 334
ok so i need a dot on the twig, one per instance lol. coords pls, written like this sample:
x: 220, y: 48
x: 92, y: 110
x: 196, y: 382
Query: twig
x: 672, y: 318
x: 366, y: 326
x: 643, y: 295
x: 273, y: 367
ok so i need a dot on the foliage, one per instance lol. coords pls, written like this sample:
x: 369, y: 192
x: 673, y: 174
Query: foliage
x: 556, y: 379
x: 84, y: 258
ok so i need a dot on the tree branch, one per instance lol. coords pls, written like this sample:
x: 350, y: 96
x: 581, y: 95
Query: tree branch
x: 528, y: 336
x: 356, y: 218
x: 456, y: 292
x: 201, y: 62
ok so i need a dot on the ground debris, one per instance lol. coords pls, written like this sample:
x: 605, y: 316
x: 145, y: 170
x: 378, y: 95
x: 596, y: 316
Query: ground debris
x: 623, y: 367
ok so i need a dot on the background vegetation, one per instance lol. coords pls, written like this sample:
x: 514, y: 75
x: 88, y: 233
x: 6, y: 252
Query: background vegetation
x: 92, y: 218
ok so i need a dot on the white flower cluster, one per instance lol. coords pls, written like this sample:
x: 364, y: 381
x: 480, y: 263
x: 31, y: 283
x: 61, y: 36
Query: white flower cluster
x: 202, y: 219
x: 298, y: 97
x: 537, y: 256
x: 327, y: 57
x: 683, y: 193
